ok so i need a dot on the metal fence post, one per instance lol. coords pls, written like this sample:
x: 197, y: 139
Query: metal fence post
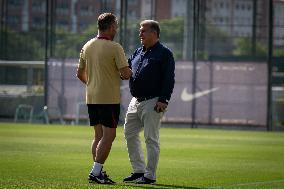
x: 269, y: 66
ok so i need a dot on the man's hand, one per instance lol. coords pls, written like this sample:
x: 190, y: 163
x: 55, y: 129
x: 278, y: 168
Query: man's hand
x: 125, y: 73
x: 160, y: 107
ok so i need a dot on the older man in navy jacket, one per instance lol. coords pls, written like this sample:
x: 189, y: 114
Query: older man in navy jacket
x: 151, y: 86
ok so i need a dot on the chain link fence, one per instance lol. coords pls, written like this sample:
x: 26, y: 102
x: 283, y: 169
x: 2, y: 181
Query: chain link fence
x: 225, y: 71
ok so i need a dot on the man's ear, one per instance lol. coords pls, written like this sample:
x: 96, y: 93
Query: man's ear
x: 111, y: 28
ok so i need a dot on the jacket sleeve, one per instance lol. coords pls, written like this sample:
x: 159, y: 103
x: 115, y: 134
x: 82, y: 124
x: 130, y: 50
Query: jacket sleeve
x: 168, y: 76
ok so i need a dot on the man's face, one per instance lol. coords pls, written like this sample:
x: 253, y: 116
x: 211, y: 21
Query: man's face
x: 147, y: 36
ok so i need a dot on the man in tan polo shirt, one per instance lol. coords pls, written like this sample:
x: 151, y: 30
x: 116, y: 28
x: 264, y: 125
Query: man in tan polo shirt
x: 101, y: 66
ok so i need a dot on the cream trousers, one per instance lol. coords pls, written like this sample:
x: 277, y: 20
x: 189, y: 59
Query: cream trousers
x: 142, y: 116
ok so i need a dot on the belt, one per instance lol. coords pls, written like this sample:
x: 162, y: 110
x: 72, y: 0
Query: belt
x: 140, y: 99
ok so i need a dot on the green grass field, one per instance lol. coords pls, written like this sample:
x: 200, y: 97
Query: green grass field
x: 40, y: 156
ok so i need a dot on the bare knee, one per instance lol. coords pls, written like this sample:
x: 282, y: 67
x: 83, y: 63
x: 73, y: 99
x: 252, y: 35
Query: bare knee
x: 109, y: 134
x: 109, y: 138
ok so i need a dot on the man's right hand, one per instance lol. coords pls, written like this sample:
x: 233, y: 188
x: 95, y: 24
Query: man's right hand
x: 125, y: 73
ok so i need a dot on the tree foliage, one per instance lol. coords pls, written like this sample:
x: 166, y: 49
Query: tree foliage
x: 244, y: 48
x: 172, y: 35
x: 211, y: 40
x: 21, y: 46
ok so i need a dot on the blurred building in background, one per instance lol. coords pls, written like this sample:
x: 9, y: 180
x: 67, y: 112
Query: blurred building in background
x: 70, y: 15
x: 235, y: 17
x: 279, y: 23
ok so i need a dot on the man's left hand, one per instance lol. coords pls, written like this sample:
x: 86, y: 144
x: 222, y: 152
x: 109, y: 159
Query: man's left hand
x: 160, y: 107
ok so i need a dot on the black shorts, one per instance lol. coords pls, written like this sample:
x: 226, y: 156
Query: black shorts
x: 105, y: 114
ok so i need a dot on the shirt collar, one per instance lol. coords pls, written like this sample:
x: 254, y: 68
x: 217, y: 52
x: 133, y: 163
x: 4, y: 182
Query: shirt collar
x: 150, y: 48
x: 103, y: 37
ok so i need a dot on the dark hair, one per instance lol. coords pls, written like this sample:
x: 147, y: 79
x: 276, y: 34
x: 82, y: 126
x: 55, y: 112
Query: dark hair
x: 105, y: 20
x: 154, y: 26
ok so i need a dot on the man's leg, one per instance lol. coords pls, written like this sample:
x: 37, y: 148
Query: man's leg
x: 102, y: 151
x: 132, y: 128
x: 151, y: 120
x: 98, y: 134
x: 104, y: 145
x: 105, y: 134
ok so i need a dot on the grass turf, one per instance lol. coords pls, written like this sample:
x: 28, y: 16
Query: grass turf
x: 40, y: 156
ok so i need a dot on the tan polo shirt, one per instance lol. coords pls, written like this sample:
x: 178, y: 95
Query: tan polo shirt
x: 102, y: 60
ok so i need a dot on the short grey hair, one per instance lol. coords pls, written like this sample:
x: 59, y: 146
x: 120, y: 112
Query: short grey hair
x: 154, y: 26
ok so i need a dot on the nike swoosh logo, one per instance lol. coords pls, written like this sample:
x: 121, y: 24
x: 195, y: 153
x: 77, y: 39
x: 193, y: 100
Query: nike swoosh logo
x: 189, y: 97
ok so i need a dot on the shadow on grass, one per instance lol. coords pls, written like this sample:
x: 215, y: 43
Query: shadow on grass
x: 165, y: 186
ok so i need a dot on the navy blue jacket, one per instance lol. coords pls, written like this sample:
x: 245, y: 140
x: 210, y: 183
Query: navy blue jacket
x: 156, y: 75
